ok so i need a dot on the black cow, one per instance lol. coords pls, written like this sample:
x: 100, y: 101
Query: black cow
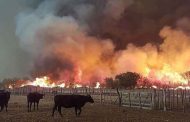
x: 33, y: 97
x: 4, y: 99
x: 69, y: 101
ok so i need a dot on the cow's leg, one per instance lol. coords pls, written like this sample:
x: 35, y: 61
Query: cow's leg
x: 54, y: 108
x: 30, y: 106
x: 1, y: 108
x: 76, y: 111
x: 59, y: 110
x: 34, y: 105
x: 6, y: 105
x: 80, y: 110
x: 37, y: 105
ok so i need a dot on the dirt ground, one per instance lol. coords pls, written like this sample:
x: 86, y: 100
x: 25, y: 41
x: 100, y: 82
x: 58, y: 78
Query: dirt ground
x: 17, y: 112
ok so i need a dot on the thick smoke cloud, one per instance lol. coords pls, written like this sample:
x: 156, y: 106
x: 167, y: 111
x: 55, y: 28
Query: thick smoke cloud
x: 87, y: 40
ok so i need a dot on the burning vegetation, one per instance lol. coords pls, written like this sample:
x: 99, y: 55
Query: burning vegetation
x: 83, y: 43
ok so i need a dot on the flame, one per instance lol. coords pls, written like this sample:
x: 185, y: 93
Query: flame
x: 10, y: 87
x: 165, y: 76
x: 46, y: 82
x: 97, y: 85
x: 62, y: 85
x: 77, y: 85
x: 43, y: 82
x: 183, y: 87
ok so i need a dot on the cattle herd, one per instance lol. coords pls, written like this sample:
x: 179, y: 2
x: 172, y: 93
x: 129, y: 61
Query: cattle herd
x: 66, y: 101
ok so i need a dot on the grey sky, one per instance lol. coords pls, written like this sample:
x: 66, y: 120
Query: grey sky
x: 12, y: 58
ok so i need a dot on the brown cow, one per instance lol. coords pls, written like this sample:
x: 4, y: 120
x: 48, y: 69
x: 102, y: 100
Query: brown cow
x: 4, y: 99
x: 69, y: 101
x: 33, y: 97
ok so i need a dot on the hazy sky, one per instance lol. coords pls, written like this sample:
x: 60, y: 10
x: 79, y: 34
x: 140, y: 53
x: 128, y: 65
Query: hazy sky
x: 12, y: 58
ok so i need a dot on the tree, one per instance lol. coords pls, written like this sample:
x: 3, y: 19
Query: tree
x: 128, y: 79
x: 109, y: 82
x: 144, y: 82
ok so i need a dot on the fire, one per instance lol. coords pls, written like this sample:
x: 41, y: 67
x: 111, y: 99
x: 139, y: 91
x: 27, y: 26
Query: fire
x: 77, y: 85
x: 47, y: 82
x: 10, y: 87
x: 73, y: 48
x: 62, y: 85
x: 166, y: 76
x: 97, y: 85
x: 44, y: 82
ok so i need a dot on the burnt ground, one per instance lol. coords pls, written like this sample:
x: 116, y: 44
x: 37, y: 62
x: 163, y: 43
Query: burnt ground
x: 17, y: 112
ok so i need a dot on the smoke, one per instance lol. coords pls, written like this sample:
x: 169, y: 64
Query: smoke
x: 88, y: 40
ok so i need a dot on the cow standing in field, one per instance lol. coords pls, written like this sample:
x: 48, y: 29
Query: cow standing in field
x: 4, y: 99
x: 33, y: 97
x: 69, y: 101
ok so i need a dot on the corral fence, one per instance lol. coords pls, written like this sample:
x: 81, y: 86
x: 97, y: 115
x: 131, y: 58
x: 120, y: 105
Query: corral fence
x: 161, y: 99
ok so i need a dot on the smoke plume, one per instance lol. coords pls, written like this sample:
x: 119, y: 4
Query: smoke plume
x: 87, y: 40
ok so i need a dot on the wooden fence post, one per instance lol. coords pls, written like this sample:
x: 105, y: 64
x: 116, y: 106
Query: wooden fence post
x: 173, y: 99
x: 153, y: 99
x: 140, y: 105
x: 110, y: 97
x: 159, y: 103
x: 169, y: 99
x: 177, y: 99
x: 182, y: 98
x: 101, y: 96
x: 129, y: 99
x: 119, y: 97
x: 164, y: 99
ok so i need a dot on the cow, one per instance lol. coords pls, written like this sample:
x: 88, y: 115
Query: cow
x: 69, y: 101
x: 33, y: 97
x: 4, y: 99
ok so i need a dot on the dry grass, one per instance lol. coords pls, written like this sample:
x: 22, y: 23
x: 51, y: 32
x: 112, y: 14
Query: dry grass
x: 17, y: 112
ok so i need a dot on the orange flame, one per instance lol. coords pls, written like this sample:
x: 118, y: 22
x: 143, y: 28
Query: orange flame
x: 46, y: 82
x: 166, y: 76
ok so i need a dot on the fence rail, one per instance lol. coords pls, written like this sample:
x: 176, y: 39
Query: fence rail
x: 162, y: 99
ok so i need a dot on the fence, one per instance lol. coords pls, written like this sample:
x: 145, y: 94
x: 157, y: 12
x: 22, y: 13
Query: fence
x: 162, y: 99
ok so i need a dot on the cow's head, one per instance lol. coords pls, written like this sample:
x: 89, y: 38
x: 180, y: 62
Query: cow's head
x: 8, y: 95
x: 90, y: 99
x: 40, y: 96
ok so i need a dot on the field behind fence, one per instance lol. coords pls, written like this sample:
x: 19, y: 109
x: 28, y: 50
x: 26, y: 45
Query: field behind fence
x: 161, y: 99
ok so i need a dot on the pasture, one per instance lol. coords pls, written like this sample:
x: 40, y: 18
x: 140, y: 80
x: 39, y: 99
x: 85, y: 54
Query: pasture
x: 17, y: 112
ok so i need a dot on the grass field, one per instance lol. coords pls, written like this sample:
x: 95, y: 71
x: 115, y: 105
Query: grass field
x: 17, y: 112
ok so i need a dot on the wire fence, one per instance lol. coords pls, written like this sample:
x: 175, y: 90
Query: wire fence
x: 161, y: 99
